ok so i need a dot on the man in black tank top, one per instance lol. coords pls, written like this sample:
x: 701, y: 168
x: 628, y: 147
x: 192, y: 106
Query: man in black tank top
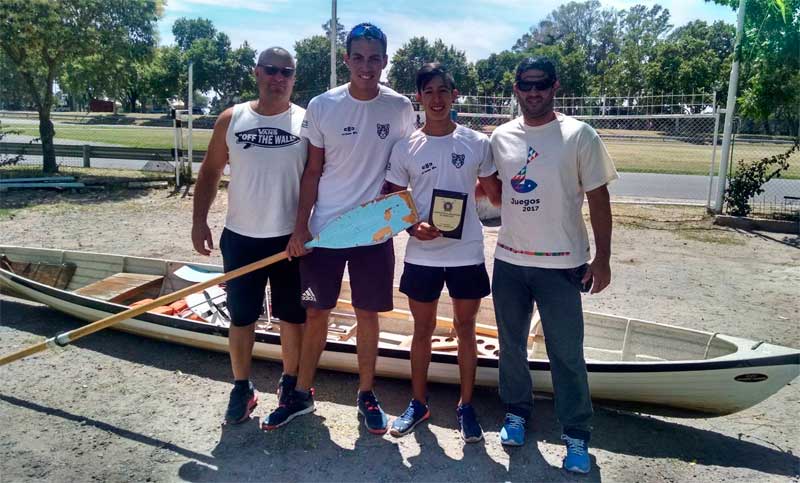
x: 247, y: 241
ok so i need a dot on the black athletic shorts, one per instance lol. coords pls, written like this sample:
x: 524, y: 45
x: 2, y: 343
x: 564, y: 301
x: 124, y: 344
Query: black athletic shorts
x: 424, y: 284
x: 246, y: 293
x: 371, y: 270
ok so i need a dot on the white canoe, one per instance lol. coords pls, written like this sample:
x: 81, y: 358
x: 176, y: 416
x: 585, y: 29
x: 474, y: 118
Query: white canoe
x: 645, y: 366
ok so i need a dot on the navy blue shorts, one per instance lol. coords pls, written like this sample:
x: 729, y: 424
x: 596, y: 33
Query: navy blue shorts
x: 246, y: 293
x: 424, y: 284
x: 371, y: 270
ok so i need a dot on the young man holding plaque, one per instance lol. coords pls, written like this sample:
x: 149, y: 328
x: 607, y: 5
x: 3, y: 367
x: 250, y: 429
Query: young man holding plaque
x: 547, y: 162
x: 350, y: 130
x: 441, y: 162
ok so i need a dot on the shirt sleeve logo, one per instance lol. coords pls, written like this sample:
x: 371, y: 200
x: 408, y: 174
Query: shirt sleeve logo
x: 266, y: 137
x: 458, y: 160
x: 383, y: 130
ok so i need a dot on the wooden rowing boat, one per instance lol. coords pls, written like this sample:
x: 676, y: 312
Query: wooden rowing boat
x: 645, y: 366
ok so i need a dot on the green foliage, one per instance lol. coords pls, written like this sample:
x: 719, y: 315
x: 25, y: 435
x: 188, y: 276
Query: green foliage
x: 314, y: 67
x: 41, y: 37
x: 417, y: 52
x: 770, y: 57
x: 750, y: 177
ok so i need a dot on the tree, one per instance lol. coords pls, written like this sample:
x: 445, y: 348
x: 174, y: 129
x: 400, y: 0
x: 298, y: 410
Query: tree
x: 770, y: 58
x: 14, y: 93
x: 417, y: 52
x: 341, y: 34
x: 314, y: 67
x: 496, y: 73
x: 642, y: 30
x: 216, y: 65
x: 40, y: 37
x: 694, y: 58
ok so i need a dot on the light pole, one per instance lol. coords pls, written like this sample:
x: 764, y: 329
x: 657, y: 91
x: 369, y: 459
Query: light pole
x: 730, y: 111
x: 333, y: 32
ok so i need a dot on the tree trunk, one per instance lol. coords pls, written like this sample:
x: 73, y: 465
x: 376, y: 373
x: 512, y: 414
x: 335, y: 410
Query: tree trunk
x: 46, y: 133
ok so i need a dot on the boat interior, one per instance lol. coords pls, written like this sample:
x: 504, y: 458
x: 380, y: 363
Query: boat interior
x: 129, y: 280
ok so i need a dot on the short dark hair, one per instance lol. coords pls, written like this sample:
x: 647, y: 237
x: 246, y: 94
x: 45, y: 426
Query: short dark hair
x: 365, y: 30
x: 539, y: 63
x: 429, y: 71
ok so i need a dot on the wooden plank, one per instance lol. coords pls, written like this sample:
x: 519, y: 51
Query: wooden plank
x: 121, y: 286
x: 6, y: 186
x: 38, y: 180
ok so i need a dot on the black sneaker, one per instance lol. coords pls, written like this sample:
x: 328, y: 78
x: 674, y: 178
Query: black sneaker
x: 242, y: 402
x: 471, y: 431
x: 374, y: 417
x: 415, y: 413
x: 294, y: 404
x: 286, y: 385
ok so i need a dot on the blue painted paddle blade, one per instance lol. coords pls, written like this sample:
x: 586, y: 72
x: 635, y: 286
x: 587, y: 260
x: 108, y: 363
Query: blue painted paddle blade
x: 369, y: 224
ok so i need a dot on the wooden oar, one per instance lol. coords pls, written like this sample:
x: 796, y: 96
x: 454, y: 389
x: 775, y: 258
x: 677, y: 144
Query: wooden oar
x: 368, y: 224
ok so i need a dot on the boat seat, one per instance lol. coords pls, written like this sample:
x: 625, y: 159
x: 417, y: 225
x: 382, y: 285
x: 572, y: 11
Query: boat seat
x: 122, y: 287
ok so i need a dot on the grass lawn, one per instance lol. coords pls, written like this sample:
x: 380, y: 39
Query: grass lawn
x: 642, y: 156
x: 137, y: 137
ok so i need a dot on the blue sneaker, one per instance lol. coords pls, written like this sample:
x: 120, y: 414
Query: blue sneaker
x: 374, y: 418
x: 513, y: 432
x: 577, y: 459
x: 471, y: 431
x: 415, y: 413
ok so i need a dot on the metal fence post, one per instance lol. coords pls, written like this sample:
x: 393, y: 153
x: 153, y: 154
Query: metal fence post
x: 86, y: 156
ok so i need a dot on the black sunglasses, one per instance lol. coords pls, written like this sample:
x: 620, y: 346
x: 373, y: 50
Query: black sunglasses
x: 272, y: 70
x: 540, y: 85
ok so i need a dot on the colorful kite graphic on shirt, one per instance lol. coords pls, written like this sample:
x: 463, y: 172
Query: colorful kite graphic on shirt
x: 519, y: 182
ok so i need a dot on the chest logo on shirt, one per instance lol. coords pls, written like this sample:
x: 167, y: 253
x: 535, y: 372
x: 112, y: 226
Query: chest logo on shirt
x: 520, y: 182
x: 266, y: 137
x: 383, y: 130
x: 349, y: 131
x: 427, y: 168
x: 458, y: 160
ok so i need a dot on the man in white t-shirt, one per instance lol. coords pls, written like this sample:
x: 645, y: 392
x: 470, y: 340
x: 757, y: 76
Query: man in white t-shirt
x: 546, y: 162
x: 442, y: 160
x: 350, y: 130
x: 261, y: 142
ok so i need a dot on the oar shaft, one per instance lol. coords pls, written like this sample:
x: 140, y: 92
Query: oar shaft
x: 101, y: 324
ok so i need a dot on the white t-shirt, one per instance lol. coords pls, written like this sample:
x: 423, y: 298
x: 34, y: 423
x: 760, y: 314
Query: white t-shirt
x: 267, y: 157
x: 357, y: 137
x: 545, y: 172
x: 453, y: 162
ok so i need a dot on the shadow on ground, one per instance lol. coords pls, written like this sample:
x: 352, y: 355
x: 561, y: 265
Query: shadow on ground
x: 285, y: 454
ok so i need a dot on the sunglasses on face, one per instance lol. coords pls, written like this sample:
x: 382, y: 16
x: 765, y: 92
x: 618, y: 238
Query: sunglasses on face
x: 539, y: 85
x: 367, y: 32
x: 272, y: 70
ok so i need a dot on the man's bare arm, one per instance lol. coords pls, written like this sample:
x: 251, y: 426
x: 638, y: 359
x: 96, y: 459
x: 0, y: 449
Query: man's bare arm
x: 490, y: 187
x: 308, y: 197
x: 600, y: 216
x: 205, y: 189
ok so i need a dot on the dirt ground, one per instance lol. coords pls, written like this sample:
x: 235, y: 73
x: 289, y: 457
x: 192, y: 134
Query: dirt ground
x: 114, y: 407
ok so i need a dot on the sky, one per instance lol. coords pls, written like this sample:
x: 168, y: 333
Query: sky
x: 477, y: 27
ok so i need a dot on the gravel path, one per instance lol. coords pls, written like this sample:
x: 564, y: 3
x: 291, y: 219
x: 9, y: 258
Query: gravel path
x: 114, y: 407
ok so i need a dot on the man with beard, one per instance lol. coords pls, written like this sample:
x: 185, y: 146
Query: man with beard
x: 546, y: 163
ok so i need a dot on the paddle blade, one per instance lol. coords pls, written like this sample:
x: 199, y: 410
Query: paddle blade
x: 369, y: 224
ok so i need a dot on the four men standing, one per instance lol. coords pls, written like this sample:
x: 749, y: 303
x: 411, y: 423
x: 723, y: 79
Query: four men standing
x: 356, y: 134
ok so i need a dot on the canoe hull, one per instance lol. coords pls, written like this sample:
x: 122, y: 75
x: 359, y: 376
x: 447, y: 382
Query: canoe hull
x: 702, y: 388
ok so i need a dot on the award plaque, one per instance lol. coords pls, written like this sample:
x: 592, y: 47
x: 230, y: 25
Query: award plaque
x: 447, y: 212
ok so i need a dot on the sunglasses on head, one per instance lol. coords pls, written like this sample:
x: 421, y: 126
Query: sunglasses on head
x: 540, y: 85
x: 367, y: 32
x: 272, y: 70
